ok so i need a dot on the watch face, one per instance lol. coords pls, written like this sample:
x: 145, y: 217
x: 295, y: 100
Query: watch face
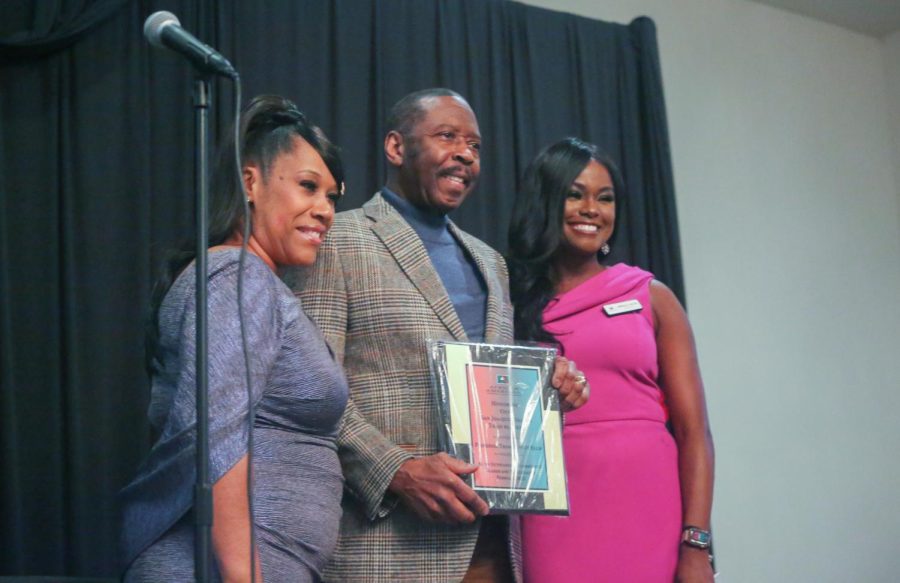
x: 699, y: 537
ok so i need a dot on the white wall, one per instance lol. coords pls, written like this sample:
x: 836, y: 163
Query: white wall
x: 790, y: 223
x: 892, y: 66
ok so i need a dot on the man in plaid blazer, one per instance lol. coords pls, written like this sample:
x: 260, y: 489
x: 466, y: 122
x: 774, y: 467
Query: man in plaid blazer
x: 381, y: 287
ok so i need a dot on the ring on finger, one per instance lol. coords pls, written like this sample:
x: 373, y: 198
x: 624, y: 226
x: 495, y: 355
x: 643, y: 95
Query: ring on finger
x: 581, y: 379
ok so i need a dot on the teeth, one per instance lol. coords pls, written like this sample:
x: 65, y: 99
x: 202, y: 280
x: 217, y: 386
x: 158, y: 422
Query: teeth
x: 312, y: 234
x: 456, y: 179
x: 585, y: 228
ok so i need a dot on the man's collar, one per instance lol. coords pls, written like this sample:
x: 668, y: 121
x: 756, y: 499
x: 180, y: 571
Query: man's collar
x: 412, y: 213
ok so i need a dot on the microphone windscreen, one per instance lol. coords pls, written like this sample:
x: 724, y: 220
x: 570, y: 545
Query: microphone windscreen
x: 155, y: 24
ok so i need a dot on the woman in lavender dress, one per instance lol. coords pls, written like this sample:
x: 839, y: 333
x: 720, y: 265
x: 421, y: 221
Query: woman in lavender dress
x: 292, y: 176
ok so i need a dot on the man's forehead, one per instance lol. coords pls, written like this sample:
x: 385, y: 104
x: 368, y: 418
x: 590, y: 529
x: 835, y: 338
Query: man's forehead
x: 438, y: 108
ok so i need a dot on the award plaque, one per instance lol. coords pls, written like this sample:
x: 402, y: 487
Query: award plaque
x: 498, y: 411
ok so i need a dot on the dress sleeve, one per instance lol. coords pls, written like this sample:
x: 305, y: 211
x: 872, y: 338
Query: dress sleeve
x: 228, y: 391
x: 163, y: 490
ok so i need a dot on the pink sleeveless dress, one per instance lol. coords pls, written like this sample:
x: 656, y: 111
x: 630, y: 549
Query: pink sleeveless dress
x: 622, y: 463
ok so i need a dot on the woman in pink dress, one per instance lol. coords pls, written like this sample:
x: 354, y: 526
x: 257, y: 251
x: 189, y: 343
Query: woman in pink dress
x: 640, y: 495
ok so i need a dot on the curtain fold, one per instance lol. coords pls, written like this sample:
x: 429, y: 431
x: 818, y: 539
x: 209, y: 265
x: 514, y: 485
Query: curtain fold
x: 664, y: 258
x: 52, y: 26
x: 96, y: 179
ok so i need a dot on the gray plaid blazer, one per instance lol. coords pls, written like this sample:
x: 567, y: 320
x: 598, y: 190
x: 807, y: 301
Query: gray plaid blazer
x: 377, y: 298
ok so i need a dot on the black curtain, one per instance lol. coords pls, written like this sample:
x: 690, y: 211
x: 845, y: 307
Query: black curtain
x: 96, y: 178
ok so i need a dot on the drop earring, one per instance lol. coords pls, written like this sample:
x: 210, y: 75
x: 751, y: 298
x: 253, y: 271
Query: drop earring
x: 604, y: 249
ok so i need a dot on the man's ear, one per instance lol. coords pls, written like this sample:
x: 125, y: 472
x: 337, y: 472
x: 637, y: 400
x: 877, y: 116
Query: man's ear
x: 393, y: 148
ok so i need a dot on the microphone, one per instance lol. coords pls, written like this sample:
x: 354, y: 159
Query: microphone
x: 163, y: 29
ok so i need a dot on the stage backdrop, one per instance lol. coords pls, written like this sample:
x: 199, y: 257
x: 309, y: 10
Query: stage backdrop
x: 96, y: 165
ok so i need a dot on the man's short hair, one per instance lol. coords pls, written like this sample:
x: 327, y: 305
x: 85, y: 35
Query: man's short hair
x: 408, y: 112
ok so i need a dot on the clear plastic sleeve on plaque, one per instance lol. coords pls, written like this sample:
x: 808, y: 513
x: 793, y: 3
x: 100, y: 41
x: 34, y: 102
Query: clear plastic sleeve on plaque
x: 499, y: 411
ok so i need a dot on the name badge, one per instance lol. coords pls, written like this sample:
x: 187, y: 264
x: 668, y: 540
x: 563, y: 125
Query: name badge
x: 622, y: 307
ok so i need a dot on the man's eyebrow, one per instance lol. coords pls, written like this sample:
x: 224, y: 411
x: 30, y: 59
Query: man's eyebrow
x: 456, y: 128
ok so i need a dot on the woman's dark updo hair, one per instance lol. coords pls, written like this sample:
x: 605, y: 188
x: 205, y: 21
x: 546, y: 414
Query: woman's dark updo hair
x: 269, y: 125
x: 535, y: 230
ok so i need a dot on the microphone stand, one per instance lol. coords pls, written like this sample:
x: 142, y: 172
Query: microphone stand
x: 203, y: 489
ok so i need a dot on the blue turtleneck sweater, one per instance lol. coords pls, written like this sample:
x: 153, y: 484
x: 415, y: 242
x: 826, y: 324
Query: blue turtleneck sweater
x: 456, y: 268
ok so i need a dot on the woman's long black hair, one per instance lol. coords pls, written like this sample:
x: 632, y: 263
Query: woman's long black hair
x: 269, y: 125
x: 535, y: 230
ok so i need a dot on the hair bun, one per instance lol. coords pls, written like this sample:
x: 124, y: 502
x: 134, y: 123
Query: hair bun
x: 289, y: 115
x: 270, y: 112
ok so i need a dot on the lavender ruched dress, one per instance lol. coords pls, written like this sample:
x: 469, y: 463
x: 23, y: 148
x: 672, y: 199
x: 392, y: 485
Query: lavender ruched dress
x: 300, y: 393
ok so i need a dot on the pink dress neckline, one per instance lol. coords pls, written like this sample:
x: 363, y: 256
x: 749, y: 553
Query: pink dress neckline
x: 599, y: 289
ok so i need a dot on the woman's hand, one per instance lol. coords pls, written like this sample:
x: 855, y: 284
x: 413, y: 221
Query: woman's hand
x: 693, y: 566
x: 231, y: 526
x: 571, y: 383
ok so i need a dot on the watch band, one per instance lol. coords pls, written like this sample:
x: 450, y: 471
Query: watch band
x: 696, y: 537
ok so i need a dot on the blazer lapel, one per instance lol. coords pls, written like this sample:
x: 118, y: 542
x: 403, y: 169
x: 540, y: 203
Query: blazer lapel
x: 494, y: 295
x: 410, y: 254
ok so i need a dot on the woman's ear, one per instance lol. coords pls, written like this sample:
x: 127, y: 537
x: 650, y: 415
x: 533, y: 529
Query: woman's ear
x: 252, y: 180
